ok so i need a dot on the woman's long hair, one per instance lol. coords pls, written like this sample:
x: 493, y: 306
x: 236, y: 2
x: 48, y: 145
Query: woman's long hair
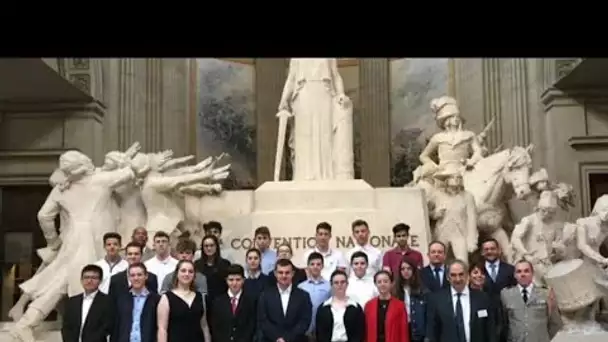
x: 414, y: 283
x: 216, y: 255
x: 174, y: 281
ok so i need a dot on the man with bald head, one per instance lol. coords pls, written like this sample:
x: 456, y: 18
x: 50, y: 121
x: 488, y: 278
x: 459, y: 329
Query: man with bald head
x: 140, y: 236
x: 460, y: 314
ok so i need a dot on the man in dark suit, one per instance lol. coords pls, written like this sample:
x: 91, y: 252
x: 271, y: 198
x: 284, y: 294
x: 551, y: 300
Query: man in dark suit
x: 284, y: 311
x: 234, y: 312
x: 135, y: 315
x: 500, y: 274
x: 119, y: 283
x: 88, y: 316
x: 460, y: 314
x: 434, y: 276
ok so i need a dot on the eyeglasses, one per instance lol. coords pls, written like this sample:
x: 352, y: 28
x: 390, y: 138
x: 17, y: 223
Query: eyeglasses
x: 339, y: 282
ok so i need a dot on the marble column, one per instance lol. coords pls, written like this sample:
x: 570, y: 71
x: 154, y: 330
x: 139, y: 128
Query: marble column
x: 153, y: 119
x: 374, y: 121
x: 492, y: 100
x: 126, y: 109
x: 270, y: 76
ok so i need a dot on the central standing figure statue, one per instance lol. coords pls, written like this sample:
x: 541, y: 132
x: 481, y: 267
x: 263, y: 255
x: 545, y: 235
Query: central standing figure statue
x: 321, y: 138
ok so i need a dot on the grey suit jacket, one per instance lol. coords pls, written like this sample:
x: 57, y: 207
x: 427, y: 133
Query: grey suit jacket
x: 200, y: 281
x: 528, y: 322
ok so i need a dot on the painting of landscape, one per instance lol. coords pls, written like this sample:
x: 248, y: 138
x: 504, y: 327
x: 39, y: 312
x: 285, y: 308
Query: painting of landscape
x: 226, y: 117
x: 414, y: 83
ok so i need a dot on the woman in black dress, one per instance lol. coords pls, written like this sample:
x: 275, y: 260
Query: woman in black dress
x: 213, y: 266
x: 181, y: 311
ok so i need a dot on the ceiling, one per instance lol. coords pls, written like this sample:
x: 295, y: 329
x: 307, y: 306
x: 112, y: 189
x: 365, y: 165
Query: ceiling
x: 32, y: 80
x: 589, y: 73
x: 342, y: 62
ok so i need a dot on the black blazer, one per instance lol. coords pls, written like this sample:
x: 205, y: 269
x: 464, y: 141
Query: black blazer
x: 429, y: 281
x: 504, y: 278
x: 238, y: 327
x: 354, y: 322
x: 98, y: 324
x: 274, y: 324
x: 119, y: 285
x: 441, y: 325
x: 124, y: 318
x: 298, y: 277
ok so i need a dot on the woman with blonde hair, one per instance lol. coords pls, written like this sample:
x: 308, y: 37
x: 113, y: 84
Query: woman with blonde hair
x: 181, y: 311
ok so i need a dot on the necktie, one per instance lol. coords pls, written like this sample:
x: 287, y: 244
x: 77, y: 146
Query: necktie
x: 524, y: 295
x: 459, y: 319
x: 493, y: 271
x: 438, y: 275
x: 233, y: 304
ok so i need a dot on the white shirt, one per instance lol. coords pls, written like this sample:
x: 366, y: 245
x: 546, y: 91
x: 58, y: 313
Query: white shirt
x: 237, y: 296
x: 374, y: 257
x: 338, y: 332
x: 161, y: 268
x: 406, y: 301
x: 528, y: 290
x: 109, y: 270
x: 332, y: 259
x: 285, y: 294
x: 87, y: 301
x: 489, y: 267
x: 361, y: 290
x: 465, y: 302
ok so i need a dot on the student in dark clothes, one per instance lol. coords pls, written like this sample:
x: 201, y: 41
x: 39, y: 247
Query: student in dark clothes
x: 385, y: 315
x: 255, y: 280
x: 214, y: 267
x: 284, y: 251
x: 340, y: 318
x: 408, y: 287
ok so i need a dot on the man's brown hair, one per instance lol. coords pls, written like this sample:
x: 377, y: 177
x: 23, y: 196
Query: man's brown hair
x: 263, y: 230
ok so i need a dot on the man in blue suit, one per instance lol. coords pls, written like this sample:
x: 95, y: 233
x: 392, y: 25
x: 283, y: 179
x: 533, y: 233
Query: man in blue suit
x: 434, y: 276
x: 284, y: 311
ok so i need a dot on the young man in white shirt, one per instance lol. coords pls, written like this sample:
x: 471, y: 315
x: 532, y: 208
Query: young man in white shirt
x: 333, y: 259
x: 360, y: 230
x: 113, y: 262
x: 162, y: 263
x: 361, y: 287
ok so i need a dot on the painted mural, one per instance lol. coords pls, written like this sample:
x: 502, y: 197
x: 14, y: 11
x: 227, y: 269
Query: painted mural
x: 226, y: 117
x: 414, y: 83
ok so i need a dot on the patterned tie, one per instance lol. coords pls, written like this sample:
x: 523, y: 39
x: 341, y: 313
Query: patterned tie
x: 524, y: 295
x: 233, y: 304
x: 493, y: 271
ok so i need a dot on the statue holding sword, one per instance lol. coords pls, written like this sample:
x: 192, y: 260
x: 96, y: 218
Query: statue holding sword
x: 321, y: 138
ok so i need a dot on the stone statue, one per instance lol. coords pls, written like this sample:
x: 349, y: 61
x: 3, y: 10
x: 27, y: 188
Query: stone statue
x: 165, y: 178
x: 322, y: 133
x: 131, y: 209
x: 453, y: 144
x: 86, y: 197
x: 491, y: 180
x: 537, y: 236
x: 455, y: 213
x: 539, y: 182
x: 577, y: 295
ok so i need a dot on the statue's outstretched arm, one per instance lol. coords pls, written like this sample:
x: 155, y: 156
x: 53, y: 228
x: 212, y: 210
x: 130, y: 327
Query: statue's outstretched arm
x: 167, y: 183
x: 520, y: 230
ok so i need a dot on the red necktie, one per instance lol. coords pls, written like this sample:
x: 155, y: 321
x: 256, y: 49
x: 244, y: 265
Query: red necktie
x: 233, y: 304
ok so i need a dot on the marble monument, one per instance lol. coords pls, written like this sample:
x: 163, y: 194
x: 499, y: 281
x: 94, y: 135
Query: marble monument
x: 491, y: 180
x: 87, y: 199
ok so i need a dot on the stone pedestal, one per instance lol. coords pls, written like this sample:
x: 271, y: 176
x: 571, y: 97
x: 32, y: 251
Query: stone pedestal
x: 291, y: 210
x: 580, y: 337
x: 46, y: 332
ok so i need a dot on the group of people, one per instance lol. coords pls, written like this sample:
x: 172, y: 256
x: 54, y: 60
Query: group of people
x: 362, y: 295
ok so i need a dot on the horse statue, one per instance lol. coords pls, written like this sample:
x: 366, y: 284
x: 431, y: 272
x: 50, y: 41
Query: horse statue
x: 493, y: 181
